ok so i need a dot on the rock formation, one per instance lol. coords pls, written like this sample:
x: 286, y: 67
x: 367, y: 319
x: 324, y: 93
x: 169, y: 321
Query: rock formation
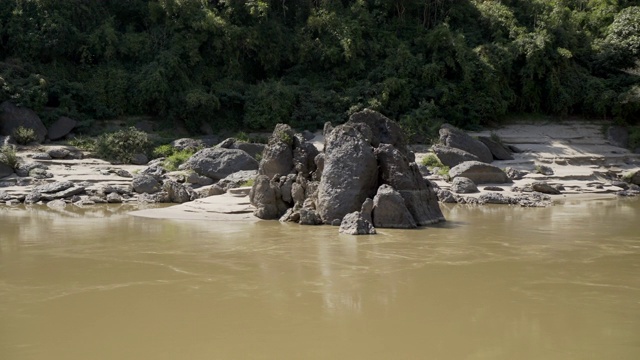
x: 363, y: 159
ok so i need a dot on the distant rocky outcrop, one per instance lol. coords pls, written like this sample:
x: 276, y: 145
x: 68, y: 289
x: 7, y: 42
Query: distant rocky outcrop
x: 480, y: 173
x: 453, y: 137
x: 363, y: 159
x: 13, y: 116
x: 217, y: 163
x: 451, y: 157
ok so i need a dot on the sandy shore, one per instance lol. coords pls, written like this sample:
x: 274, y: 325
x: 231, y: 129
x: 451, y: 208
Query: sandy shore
x: 582, y: 160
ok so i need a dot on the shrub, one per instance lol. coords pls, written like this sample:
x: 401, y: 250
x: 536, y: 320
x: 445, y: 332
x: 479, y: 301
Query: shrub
x: 83, y: 143
x: 431, y: 161
x: 242, y: 136
x: 173, y: 161
x: 24, y: 135
x: 121, y: 145
x: 247, y: 183
x: 8, y: 156
x: 165, y: 150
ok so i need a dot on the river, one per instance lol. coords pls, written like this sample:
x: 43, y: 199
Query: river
x: 494, y: 282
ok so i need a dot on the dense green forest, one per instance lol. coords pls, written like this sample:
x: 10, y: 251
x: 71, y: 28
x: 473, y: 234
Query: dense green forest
x: 248, y: 64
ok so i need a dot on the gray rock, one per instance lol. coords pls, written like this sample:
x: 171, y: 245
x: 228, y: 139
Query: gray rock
x: 366, y: 210
x: 63, y: 194
x: 39, y: 173
x: 5, y: 170
x: 390, y: 211
x: 383, y: 130
x: 515, y: 174
x: 496, y: 198
x: 618, y: 136
x: 304, y: 154
x: 451, y: 157
x: 177, y: 193
x: 160, y: 197
x: 41, y: 156
x: 145, y: 184
x: 188, y: 144
x: 463, y: 185
x: 621, y: 184
x: 493, y: 188
x: 58, y: 152
x: 544, y: 170
x: 57, y: 204
x: 405, y: 177
x: 265, y: 197
x: 453, y: 137
x: 24, y: 169
x: 237, y: 179
x: 33, y: 197
x: 628, y: 193
x: 277, y: 157
x: 194, y: 178
x: 499, y: 151
x: 139, y: 159
x: 355, y: 224
x: 54, y: 187
x: 12, y: 117
x: 350, y: 174
x: 122, y: 173
x: 156, y: 171
x: 217, y: 163
x: 479, y: 173
x: 446, y: 196
x: 309, y: 217
x: 114, y: 198
x: 254, y: 150
x: 61, y: 128
x: 319, y: 161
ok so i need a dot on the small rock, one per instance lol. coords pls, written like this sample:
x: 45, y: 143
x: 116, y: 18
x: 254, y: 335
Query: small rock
x: 41, y: 156
x: 354, y: 224
x: 544, y: 170
x: 57, y: 204
x: 114, y: 198
x: 139, y: 159
x: 463, y: 185
x: 493, y: 188
x: 515, y: 174
x: 123, y: 173
x: 145, y: 184
x: 58, y: 152
x: 543, y: 187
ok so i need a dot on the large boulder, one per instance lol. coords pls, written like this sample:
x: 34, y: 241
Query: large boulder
x: 383, y: 129
x: 177, y: 193
x: 349, y: 176
x: 456, y: 138
x: 499, y: 151
x: 265, y: 197
x: 390, y: 211
x: 405, y: 177
x: 218, y: 163
x: 277, y: 157
x: 355, y: 224
x: 145, y: 184
x: 12, y: 117
x: 254, y: 150
x: 61, y: 128
x: 304, y: 154
x: 451, y: 157
x: 480, y: 173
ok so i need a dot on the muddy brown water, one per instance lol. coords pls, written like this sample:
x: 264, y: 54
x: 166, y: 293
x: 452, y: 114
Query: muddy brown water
x: 494, y: 282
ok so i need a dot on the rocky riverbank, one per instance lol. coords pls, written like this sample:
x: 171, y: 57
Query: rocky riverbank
x: 543, y: 164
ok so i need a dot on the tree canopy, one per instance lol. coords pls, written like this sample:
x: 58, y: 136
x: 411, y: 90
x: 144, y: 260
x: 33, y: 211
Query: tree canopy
x: 248, y: 64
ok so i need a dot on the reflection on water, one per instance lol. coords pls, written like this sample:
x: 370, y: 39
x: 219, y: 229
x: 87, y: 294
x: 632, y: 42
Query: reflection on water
x: 494, y: 282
